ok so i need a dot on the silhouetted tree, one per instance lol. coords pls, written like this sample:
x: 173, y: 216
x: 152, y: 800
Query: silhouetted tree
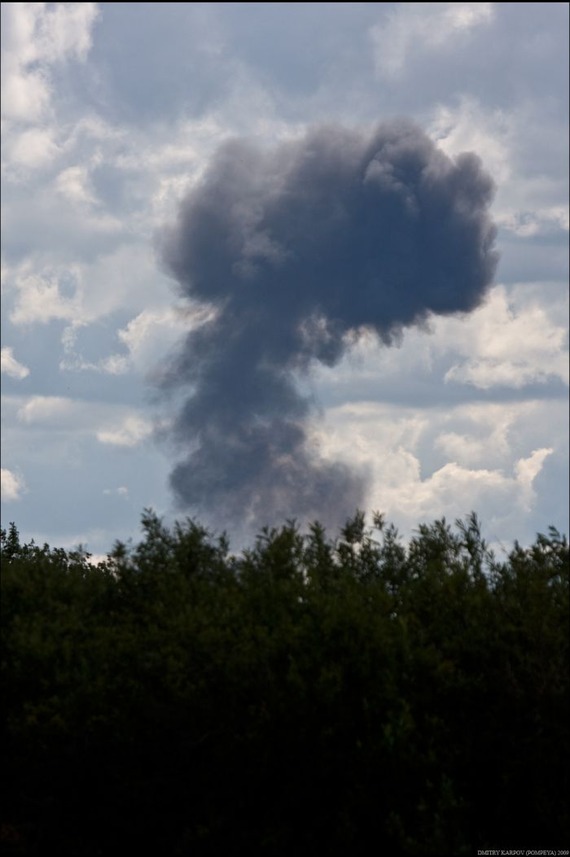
x: 311, y: 694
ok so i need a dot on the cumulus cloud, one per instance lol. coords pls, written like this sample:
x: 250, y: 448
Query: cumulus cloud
x: 517, y: 338
x: 508, y: 345
x: 78, y: 292
x: 13, y: 486
x: 526, y: 471
x: 32, y: 148
x: 539, y: 221
x: 10, y: 366
x: 109, y: 424
x: 46, y: 410
x: 480, y: 434
x: 73, y: 183
x: 481, y: 488
x: 413, y: 28
x: 469, y: 126
x: 151, y: 334
x: 36, y: 36
x: 41, y: 297
x: 148, y: 338
x: 37, y: 39
x: 490, y: 464
x: 530, y: 201
x: 130, y: 432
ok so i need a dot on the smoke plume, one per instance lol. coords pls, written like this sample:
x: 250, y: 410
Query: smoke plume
x: 300, y: 249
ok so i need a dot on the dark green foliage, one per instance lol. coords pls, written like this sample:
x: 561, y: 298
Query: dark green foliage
x: 307, y: 696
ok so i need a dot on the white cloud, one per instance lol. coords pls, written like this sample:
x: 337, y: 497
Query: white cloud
x: 46, y: 410
x: 146, y: 335
x: 32, y: 148
x: 25, y: 90
x: 490, y: 459
x: 39, y: 296
x: 517, y: 337
x: 121, y: 491
x: 35, y: 36
x: 13, y: 486
x: 130, y: 432
x: 10, y: 366
x: 73, y: 183
x: 528, y: 202
x: 527, y: 469
x: 65, y: 31
x: 507, y: 342
x: 477, y: 435
x: 79, y: 293
x: 116, y: 364
x: 110, y: 424
x: 470, y: 127
x: 416, y: 28
x: 123, y: 279
x: 491, y: 490
x: 438, y: 494
x: 149, y: 337
x: 154, y: 331
x: 527, y: 224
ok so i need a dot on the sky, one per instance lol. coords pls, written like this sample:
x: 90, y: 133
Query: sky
x: 268, y: 260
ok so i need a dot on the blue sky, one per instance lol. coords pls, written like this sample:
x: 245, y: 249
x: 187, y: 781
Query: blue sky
x: 112, y: 113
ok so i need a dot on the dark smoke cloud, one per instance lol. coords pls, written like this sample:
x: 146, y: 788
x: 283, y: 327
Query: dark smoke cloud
x: 301, y: 249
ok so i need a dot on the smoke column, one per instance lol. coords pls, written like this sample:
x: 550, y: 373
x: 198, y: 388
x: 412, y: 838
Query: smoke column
x: 300, y: 249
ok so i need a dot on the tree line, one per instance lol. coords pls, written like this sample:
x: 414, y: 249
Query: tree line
x: 309, y: 695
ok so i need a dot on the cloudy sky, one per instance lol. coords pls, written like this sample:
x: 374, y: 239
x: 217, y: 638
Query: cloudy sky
x: 112, y: 114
